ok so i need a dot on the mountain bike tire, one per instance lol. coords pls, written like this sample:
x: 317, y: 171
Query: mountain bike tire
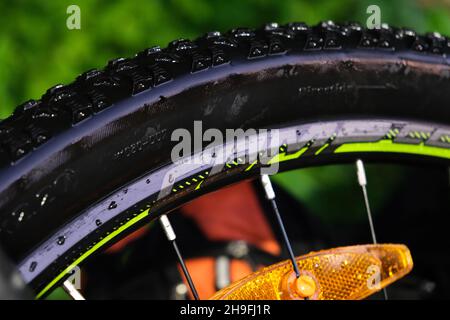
x: 376, y: 94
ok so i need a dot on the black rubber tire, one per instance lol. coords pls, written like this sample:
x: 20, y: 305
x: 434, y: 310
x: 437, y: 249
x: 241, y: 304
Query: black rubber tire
x: 84, y: 140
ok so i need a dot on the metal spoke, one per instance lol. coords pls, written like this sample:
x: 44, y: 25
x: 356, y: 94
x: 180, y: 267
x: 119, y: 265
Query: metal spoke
x: 70, y: 289
x: 171, y: 236
x: 270, y: 195
x: 362, y: 180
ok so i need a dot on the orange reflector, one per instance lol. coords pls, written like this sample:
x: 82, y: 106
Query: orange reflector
x: 346, y: 273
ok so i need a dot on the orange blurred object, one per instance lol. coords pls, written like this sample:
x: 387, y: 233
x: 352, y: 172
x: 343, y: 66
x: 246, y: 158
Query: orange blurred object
x: 346, y: 273
x: 203, y: 270
x: 229, y: 205
x: 233, y: 213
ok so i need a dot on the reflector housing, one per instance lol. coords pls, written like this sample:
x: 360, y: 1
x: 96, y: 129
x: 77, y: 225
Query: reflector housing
x: 345, y: 273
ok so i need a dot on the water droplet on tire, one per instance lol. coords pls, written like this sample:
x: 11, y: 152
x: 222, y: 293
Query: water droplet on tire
x: 60, y: 241
x: 33, y: 266
x: 112, y: 205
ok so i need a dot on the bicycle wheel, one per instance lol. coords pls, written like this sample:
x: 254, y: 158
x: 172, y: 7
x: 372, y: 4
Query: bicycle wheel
x: 85, y: 165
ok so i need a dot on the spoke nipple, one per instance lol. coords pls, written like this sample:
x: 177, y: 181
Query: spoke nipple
x: 270, y: 193
x: 362, y: 180
x: 165, y: 223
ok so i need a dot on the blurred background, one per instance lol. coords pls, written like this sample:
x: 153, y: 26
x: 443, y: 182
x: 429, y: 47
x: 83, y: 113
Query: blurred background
x: 37, y: 51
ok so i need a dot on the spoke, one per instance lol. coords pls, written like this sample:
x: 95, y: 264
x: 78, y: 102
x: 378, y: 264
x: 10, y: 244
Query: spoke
x: 362, y: 180
x: 270, y: 195
x: 171, y: 236
x: 70, y: 289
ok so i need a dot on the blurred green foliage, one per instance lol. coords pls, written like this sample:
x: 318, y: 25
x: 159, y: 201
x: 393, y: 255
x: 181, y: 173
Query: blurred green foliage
x: 37, y: 51
x: 333, y: 194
